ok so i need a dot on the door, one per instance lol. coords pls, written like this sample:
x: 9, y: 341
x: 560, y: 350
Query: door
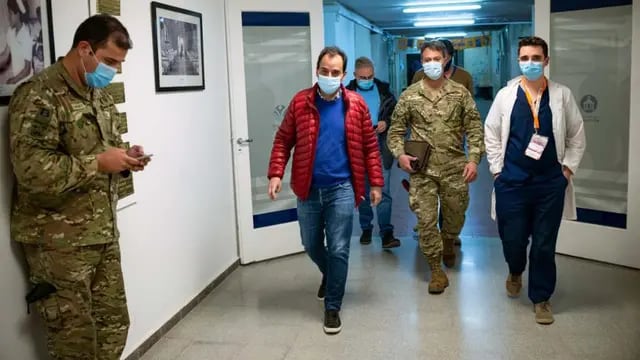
x: 271, y: 47
x: 595, y: 50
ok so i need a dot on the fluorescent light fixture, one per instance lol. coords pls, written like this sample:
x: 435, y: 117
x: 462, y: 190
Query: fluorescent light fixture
x: 445, y: 35
x: 434, y: 23
x: 445, y: 18
x: 441, y: 8
x: 441, y: 2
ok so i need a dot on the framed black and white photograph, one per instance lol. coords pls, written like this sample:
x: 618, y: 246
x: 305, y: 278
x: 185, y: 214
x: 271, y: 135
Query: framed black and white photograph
x: 26, y: 42
x: 177, y: 48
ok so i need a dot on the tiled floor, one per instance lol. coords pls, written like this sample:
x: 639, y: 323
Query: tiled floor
x: 269, y: 310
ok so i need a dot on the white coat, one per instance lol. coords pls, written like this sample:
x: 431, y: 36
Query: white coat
x: 568, y: 131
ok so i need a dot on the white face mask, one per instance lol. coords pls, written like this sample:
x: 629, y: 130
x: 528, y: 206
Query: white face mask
x: 433, y: 69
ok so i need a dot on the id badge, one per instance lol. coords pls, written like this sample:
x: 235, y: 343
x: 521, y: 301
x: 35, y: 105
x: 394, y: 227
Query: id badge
x: 536, y: 146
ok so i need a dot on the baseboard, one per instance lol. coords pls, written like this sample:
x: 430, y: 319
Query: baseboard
x: 164, y: 329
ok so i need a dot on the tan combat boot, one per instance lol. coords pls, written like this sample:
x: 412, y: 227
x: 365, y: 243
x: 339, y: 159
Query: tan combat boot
x: 514, y: 285
x: 544, y: 315
x: 448, y: 253
x: 439, y: 280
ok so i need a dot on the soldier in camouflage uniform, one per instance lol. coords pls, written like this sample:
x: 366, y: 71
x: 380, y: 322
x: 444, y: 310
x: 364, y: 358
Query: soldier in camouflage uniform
x: 441, y: 112
x: 68, y: 157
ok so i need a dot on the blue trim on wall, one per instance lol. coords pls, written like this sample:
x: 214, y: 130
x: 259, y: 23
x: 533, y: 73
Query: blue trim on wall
x: 603, y: 218
x: 251, y: 18
x: 275, y: 218
x: 573, y: 5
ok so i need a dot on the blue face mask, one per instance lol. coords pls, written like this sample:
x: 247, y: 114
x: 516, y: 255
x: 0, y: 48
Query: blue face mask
x: 365, y: 84
x: 532, y: 70
x: 433, y: 69
x: 101, y: 76
x: 329, y: 85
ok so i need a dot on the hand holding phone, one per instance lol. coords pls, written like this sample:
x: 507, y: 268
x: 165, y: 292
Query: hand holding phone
x: 145, y: 157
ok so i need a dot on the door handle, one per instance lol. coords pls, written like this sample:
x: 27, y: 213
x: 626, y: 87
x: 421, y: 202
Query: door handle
x: 242, y: 141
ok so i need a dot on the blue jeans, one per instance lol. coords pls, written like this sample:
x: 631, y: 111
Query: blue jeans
x: 329, y: 211
x: 383, y: 209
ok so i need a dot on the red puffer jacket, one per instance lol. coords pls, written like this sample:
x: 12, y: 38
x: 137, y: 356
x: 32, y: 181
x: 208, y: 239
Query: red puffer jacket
x: 300, y: 129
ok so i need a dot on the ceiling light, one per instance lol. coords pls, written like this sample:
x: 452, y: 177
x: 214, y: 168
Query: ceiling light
x: 445, y: 18
x: 445, y: 35
x: 432, y: 23
x: 441, y: 8
x: 440, y: 2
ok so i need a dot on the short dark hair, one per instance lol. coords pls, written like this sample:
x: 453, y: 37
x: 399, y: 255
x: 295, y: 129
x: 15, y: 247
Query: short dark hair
x: 97, y: 30
x: 333, y: 51
x: 448, y: 45
x: 433, y: 45
x: 534, y: 41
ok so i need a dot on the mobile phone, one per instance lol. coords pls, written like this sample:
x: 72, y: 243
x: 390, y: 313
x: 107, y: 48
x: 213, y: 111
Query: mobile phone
x: 144, y: 157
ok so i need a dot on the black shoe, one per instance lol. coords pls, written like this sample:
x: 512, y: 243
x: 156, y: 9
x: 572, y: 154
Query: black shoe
x: 388, y: 241
x: 321, y: 290
x: 365, y: 238
x: 332, y: 323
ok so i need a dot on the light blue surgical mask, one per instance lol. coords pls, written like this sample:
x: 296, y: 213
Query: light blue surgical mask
x: 329, y: 85
x: 101, y: 76
x: 532, y: 70
x: 365, y: 84
x: 433, y: 69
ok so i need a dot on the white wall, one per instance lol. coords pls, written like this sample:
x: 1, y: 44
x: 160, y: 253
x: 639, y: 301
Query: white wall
x: 180, y: 234
x: 381, y: 57
x: 355, y: 39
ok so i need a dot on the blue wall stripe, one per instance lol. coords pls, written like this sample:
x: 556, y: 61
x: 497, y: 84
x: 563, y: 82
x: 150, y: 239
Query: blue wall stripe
x: 603, y: 218
x: 572, y: 5
x: 275, y: 218
x: 275, y: 19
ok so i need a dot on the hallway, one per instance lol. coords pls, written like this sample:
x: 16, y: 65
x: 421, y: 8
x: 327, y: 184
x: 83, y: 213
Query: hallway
x: 269, y: 311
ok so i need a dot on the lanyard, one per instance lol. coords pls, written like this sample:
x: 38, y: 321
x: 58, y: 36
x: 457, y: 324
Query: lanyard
x: 535, y: 106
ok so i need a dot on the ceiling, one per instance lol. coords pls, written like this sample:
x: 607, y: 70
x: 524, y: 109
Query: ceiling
x: 388, y: 15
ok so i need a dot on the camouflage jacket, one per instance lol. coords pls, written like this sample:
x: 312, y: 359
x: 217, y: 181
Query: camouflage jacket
x: 441, y: 117
x: 56, y: 128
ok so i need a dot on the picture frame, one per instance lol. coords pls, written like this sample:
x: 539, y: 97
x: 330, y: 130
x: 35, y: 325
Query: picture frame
x: 26, y: 43
x: 178, y: 54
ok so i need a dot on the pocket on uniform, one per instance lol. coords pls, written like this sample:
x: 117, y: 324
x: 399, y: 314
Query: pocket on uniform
x: 49, y: 309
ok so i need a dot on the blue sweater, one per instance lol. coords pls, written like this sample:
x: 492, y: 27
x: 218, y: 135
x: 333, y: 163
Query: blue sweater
x: 372, y: 98
x: 331, y: 166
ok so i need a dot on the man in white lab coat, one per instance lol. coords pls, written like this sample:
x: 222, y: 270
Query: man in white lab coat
x: 534, y: 138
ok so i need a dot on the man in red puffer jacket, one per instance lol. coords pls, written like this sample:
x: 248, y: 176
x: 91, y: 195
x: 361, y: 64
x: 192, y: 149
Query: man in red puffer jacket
x: 335, y: 149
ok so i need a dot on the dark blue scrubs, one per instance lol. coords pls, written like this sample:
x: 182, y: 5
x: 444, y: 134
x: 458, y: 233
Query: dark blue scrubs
x: 530, y: 200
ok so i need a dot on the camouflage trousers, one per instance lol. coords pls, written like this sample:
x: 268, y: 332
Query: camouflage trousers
x: 87, y: 317
x: 452, y: 193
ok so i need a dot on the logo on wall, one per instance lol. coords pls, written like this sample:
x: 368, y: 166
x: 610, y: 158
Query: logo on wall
x: 278, y: 111
x: 278, y: 115
x: 589, y: 103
